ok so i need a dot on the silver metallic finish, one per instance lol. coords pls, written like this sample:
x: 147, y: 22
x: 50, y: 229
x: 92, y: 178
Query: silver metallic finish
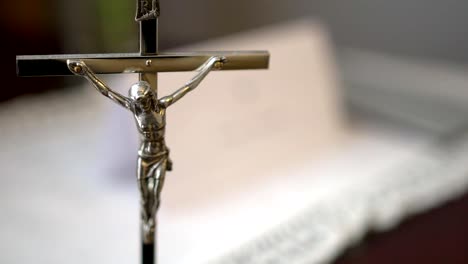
x: 150, y: 118
x: 147, y: 9
x: 147, y: 15
x: 150, y: 190
x: 56, y: 65
x: 149, y: 37
x: 149, y: 111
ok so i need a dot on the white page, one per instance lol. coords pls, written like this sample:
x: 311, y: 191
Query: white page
x: 69, y: 158
x: 271, y: 144
x: 240, y: 133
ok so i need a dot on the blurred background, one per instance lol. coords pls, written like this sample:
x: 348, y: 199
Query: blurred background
x: 417, y: 29
x: 401, y: 65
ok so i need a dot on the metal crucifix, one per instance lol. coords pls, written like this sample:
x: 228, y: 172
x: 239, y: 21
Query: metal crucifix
x: 142, y: 100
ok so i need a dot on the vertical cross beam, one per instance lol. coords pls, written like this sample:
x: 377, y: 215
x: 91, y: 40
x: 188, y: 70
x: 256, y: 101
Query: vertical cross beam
x: 147, y: 64
x: 147, y: 15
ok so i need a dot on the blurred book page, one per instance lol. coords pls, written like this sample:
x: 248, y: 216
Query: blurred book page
x: 251, y: 150
x: 233, y: 140
x: 242, y: 133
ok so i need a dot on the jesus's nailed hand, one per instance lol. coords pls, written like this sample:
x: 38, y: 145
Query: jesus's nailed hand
x: 77, y: 67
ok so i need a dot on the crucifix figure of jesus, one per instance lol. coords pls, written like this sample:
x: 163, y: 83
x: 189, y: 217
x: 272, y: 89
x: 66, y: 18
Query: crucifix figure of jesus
x: 148, y: 110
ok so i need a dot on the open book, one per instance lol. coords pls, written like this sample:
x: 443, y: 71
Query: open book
x: 270, y: 170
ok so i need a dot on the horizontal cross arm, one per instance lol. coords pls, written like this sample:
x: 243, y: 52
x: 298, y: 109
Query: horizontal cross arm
x: 56, y: 65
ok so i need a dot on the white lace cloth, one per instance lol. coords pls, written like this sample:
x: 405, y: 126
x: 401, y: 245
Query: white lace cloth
x: 258, y: 193
x: 318, y: 234
x: 59, y: 202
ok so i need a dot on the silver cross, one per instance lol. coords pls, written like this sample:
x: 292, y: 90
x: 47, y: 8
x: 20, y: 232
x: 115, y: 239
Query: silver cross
x: 148, y: 110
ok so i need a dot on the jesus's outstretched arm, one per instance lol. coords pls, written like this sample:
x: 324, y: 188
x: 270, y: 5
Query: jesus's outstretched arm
x: 203, y: 70
x: 79, y: 68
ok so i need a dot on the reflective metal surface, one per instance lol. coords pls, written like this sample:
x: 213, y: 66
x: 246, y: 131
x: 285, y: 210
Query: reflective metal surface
x: 147, y: 9
x: 150, y: 118
x: 149, y: 111
x: 56, y: 65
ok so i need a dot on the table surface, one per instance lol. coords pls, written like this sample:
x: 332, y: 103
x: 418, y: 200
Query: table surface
x: 316, y: 174
x: 435, y: 237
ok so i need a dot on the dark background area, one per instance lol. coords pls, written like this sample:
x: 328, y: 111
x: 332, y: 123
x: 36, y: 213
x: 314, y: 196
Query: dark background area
x: 435, y: 237
x: 419, y: 28
x: 429, y: 29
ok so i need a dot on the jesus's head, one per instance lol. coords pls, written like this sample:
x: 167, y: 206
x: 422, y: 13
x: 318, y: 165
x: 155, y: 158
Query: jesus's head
x: 143, y: 96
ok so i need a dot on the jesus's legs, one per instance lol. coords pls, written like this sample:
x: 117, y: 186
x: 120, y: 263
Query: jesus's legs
x: 151, y: 174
